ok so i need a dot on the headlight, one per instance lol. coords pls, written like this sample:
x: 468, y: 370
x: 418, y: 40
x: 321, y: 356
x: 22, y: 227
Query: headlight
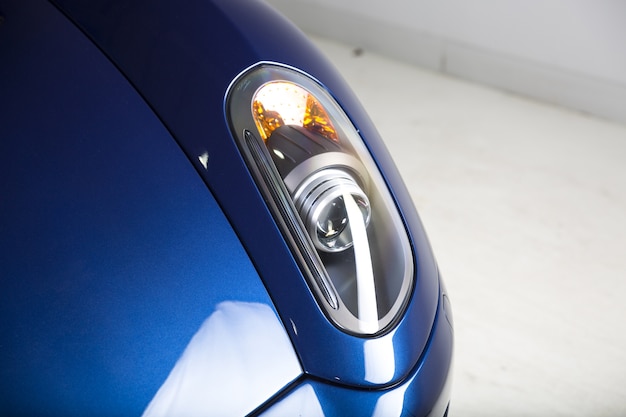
x: 327, y: 195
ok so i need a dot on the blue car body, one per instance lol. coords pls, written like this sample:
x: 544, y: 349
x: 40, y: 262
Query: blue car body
x: 141, y: 267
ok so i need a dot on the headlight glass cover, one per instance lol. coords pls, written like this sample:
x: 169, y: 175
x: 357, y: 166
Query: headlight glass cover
x: 326, y: 194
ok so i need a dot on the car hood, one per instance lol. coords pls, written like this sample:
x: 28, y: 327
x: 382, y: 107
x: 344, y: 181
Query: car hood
x: 122, y: 280
x: 138, y: 234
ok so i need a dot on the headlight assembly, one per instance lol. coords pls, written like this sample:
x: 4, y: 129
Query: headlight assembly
x: 327, y: 195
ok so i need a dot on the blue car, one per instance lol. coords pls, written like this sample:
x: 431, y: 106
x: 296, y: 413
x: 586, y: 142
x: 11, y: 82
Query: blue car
x: 197, y: 218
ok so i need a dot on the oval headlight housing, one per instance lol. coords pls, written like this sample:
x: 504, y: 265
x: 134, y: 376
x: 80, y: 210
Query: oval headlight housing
x: 326, y: 194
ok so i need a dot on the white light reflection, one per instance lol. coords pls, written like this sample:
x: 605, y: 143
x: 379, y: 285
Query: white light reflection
x: 204, y: 160
x: 365, y: 287
x: 391, y: 404
x: 238, y: 358
x: 380, y: 362
x: 303, y: 401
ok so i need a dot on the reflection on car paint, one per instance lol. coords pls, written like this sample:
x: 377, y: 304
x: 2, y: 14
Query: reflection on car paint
x: 379, y: 359
x: 412, y: 397
x: 241, y: 347
x: 390, y: 404
x: 303, y: 398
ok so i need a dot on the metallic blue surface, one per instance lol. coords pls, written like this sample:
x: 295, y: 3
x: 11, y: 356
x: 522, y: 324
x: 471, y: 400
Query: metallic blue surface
x: 240, y: 357
x: 112, y: 251
x: 424, y: 393
x: 182, y: 59
x: 115, y: 258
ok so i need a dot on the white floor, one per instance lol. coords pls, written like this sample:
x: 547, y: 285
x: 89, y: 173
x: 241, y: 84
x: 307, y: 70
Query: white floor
x: 525, y: 206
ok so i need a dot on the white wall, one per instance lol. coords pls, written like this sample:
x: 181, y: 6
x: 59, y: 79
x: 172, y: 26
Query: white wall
x: 570, y: 52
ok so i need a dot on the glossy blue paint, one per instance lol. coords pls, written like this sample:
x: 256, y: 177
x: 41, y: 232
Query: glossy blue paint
x: 182, y: 59
x: 425, y: 392
x: 112, y: 251
x: 240, y: 357
x: 132, y: 233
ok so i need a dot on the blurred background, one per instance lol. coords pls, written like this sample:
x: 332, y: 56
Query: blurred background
x: 507, y: 120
